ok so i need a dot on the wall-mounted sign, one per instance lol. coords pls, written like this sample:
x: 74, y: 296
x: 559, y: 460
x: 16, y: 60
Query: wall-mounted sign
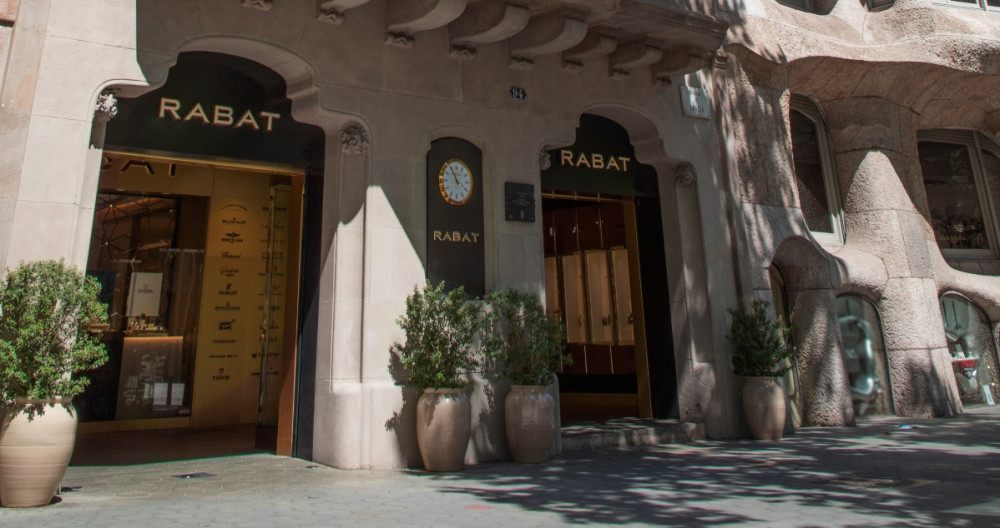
x: 218, y: 106
x: 519, y: 202
x: 455, y: 242
x: 518, y: 93
x: 601, y: 161
x: 695, y: 102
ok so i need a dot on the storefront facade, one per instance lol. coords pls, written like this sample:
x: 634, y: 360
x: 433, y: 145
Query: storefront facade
x: 262, y: 184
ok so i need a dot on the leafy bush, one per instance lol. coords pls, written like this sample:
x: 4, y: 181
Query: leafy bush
x: 440, y: 328
x: 46, y: 312
x: 526, y: 345
x: 760, y: 345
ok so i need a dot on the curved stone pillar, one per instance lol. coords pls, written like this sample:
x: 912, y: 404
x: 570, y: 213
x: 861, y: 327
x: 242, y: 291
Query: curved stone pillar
x: 882, y: 196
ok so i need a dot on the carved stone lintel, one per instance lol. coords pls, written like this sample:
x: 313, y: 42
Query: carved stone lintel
x: 544, y: 159
x: 463, y: 52
x: 330, y: 15
x: 263, y: 5
x: 401, y: 40
x: 106, y: 107
x: 521, y: 63
x: 685, y: 175
x: 353, y: 139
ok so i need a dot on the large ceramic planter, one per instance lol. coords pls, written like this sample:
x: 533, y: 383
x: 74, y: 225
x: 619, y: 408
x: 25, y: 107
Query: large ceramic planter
x: 764, y: 407
x: 444, y: 423
x: 529, y: 416
x: 34, y: 454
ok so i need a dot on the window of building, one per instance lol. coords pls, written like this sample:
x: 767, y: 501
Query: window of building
x: 989, y: 5
x: 973, y: 355
x: 864, y: 356
x: 815, y: 176
x: 961, y: 172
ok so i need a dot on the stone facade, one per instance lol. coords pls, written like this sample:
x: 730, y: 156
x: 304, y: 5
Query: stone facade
x: 384, y: 79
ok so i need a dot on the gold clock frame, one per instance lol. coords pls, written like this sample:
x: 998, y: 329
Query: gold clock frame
x: 472, y: 181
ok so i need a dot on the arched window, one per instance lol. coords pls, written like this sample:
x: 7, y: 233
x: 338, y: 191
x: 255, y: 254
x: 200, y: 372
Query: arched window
x: 973, y: 356
x: 961, y: 172
x: 864, y: 356
x: 815, y: 176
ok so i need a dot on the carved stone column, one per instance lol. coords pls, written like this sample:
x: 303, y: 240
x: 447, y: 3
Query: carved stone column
x: 882, y: 195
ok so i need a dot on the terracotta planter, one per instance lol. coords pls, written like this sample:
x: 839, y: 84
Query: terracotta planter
x: 764, y: 407
x: 444, y: 423
x: 529, y: 415
x: 34, y: 454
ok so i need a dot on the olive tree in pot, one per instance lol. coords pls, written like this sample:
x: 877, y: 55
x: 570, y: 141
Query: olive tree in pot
x: 526, y: 346
x: 47, y: 311
x: 440, y: 328
x: 760, y: 350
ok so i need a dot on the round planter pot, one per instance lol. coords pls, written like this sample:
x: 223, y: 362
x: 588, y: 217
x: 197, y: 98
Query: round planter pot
x: 529, y: 416
x: 34, y: 454
x: 764, y: 407
x: 444, y: 423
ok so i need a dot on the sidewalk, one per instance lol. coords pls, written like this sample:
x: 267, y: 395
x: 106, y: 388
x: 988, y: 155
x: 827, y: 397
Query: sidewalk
x: 943, y: 472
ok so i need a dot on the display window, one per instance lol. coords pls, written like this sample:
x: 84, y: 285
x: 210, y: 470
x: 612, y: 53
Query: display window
x: 973, y: 353
x: 864, y: 356
x: 198, y: 265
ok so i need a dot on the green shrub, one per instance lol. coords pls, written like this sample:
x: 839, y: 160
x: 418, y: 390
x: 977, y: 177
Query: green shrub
x: 526, y: 345
x: 760, y: 345
x: 440, y: 328
x: 46, y: 312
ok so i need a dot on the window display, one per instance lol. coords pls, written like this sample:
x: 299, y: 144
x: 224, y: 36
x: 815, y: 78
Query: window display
x: 973, y: 354
x: 864, y: 356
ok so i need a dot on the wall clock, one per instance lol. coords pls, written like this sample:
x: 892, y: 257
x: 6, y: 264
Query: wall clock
x: 455, y: 182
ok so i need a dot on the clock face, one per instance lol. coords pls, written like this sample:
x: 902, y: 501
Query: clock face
x: 455, y: 182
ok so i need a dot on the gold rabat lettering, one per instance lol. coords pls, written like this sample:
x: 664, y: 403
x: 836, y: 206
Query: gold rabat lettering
x: 455, y: 236
x: 594, y: 161
x: 170, y: 106
x: 197, y: 113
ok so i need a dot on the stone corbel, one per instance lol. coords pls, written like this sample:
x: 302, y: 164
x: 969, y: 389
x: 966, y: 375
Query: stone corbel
x: 333, y: 10
x: 597, y: 43
x: 548, y: 34
x: 636, y: 54
x: 404, y: 18
x: 544, y: 159
x: 488, y: 21
x: 680, y: 61
x: 106, y: 107
x: 685, y: 175
x: 353, y: 139
x: 263, y: 5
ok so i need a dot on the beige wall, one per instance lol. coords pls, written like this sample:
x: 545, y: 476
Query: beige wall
x: 344, y: 78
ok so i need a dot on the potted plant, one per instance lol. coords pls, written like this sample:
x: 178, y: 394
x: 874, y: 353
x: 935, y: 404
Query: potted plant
x: 760, y: 350
x: 47, y: 310
x: 440, y: 327
x: 526, y: 347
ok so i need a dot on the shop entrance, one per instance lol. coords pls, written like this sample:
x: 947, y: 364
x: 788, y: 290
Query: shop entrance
x: 605, y: 277
x: 207, y: 188
x: 199, y: 266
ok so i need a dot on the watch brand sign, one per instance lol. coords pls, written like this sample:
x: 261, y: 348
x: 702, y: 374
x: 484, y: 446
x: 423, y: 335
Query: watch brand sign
x: 219, y: 116
x: 455, y: 244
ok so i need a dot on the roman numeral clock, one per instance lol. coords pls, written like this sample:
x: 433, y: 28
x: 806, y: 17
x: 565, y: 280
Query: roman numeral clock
x: 455, y: 242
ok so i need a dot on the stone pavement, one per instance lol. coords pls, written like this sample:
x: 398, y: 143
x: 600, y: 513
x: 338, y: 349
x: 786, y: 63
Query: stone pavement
x: 886, y: 472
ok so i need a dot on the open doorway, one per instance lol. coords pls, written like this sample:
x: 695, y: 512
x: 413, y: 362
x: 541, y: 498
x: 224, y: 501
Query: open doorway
x: 605, y: 278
